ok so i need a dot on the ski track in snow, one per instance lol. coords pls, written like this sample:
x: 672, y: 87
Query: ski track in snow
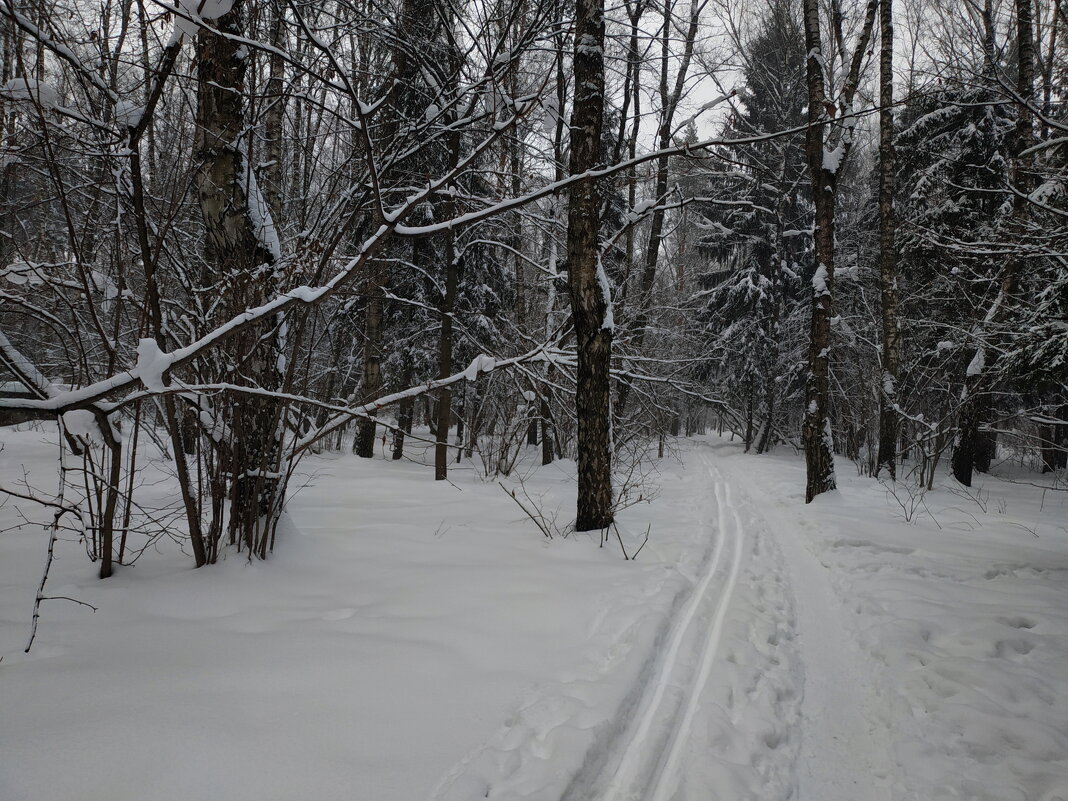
x: 842, y: 755
x: 697, y: 698
x: 661, y: 733
x: 761, y: 650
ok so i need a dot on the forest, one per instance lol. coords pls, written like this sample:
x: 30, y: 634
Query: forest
x: 246, y: 230
x: 244, y: 243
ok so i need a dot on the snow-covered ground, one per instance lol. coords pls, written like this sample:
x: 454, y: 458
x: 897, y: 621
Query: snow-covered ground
x: 934, y: 649
x: 412, y: 639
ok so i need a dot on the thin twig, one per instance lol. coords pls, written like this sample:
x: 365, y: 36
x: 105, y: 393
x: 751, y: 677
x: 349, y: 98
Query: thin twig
x: 65, y: 598
x: 527, y: 512
x: 648, y: 528
x: 620, y: 538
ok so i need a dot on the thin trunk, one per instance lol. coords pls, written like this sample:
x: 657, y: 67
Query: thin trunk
x: 374, y: 299
x: 404, y: 411
x: 546, y: 430
x: 189, y: 493
x: 7, y: 132
x: 1055, y: 443
x: 748, y: 418
x: 460, y: 425
x: 445, y: 343
x: 273, y: 125
x: 888, y: 398
x: 444, y: 410
x: 107, y: 517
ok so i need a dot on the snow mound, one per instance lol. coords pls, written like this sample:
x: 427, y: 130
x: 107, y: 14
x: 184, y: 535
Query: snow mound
x: 151, y: 364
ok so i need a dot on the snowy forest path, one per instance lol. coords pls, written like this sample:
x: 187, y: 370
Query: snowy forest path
x: 843, y: 756
x: 649, y: 762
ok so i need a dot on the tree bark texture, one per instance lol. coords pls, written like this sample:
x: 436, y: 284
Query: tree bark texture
x: 239, y: 244
x: 448, y: 304
x: 589, y: 291
x: 364, y: 446
x: 816, y: 429
x: 888, y: 398
x: 827, y: 145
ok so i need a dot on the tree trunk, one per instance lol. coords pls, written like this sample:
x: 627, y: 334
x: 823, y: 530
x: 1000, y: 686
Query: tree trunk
x: 243, y: 248
x: 816, y: 430
x: 748, y: 417
x: 364, y: 445
x: 460, y: 419
x: 107, y: 514
x: 770, y: 394
x: 888, y: 397
x: 546, y: 430
x: 448, y: 303
x: 826, y: 148
x: 1055, y: 443
x: 404, y: 412
x: 590, y: 301
x: 276, y: 107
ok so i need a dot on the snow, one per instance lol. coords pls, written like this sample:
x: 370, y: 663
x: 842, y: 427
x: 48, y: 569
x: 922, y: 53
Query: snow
x: 373, y: 651
x: 81, y: 423
x: 480, y: 364
x: 945, y: 632
x: 306, y: 294
x: 832, y: 159
x: 259, y: 212
x: 128, y: 113
x: 819, y: 281
x: 641, y: 207
x: 1046, y: 192
x: 21, y: 273
x: 151, y: 364
x: 192, y: 10
x: 588, y: 45
x: 412, y: 639
x: 889, y: 383
x: 551, y: 105
x: 609, y: 321
x: 30, y: 90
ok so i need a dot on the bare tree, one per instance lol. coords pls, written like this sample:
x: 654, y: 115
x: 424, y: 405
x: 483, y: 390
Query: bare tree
x: 828, y: 143
x: 891, y: 349
x: 591, y: 304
